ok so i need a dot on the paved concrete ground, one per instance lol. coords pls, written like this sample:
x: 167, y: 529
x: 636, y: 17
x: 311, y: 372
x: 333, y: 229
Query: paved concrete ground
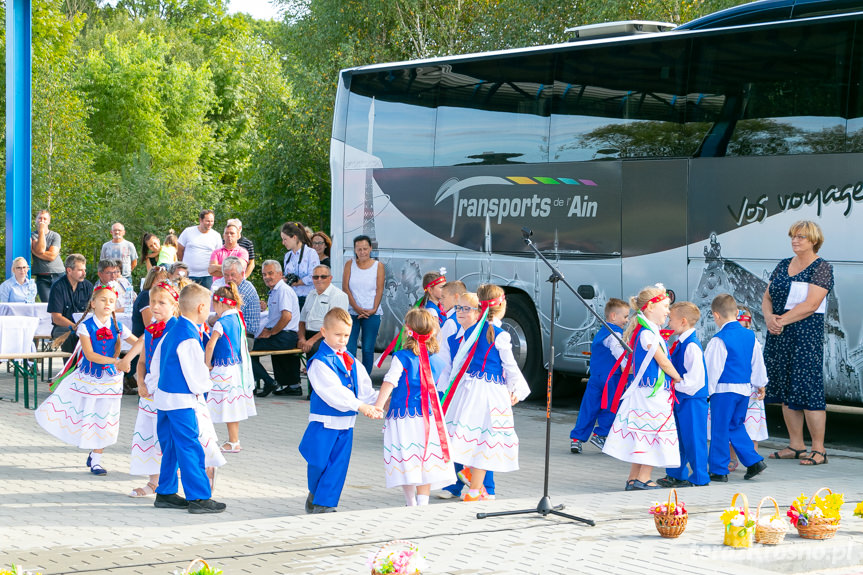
x: 56, y: 517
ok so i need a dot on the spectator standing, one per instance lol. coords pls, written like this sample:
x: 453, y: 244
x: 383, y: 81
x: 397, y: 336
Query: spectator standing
x: 300, y: 259
x: 325, y: 297
x: 279, y: 333
x: 168, y: 253
x: 363, y: 282
x: 45, y: 248
x: 245, y: 243
x: 121, y: 250
x: 178, y: 271
x: 230, y: 248
x: 69, y: 295
x: 19, y: 288
x: 150, y: 248
x: 233, y: 269
x: 196, y: 245
x: 322, y: 244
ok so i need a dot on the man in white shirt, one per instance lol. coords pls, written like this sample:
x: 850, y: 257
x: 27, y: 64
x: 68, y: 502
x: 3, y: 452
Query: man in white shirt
x: 279, y: 333
x: 325, y: 297
x: 195, y: 246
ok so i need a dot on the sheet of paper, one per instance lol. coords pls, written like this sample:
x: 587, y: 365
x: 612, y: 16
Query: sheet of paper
x: 799, y: 292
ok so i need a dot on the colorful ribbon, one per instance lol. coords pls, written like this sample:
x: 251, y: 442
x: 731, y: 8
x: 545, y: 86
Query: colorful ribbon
x: 225, y: 300
x: 105, y: 286
x: 172, y: 291
x: 428, y: 396
x: 464, y: 356
x: 396, y: 343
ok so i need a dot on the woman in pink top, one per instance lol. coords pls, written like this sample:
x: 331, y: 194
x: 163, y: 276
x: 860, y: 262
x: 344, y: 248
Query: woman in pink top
x: 231, y: 248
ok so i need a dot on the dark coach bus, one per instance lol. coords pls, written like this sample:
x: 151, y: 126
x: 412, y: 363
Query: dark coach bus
x: 679, y: 157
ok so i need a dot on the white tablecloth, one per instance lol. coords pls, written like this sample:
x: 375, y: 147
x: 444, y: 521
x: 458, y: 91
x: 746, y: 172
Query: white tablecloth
x: 123, y: 318
x: 37, y: 310
x: 16, y: 334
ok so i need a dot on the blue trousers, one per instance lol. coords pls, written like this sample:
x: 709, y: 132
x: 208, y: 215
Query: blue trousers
x: 328, y: 453
x: 178, y: 436
x: 369, y: 326
x: 590, y: 412
x: 727, y: 414
x: 691, y: 417
x: 457, y: 487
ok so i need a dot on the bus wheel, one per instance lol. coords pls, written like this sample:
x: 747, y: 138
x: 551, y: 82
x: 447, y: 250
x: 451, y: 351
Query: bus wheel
x: 521, y: 324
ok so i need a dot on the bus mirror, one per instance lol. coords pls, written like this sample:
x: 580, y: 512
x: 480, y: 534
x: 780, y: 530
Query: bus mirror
x: 586, y: 291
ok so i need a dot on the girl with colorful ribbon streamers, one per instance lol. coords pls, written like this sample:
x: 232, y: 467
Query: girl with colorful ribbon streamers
x: 416, y: 448
x: 481, y: 388
x: 231, y: 400
x: 146, y: 456
x: 644, y: 431
x: 84, y: 408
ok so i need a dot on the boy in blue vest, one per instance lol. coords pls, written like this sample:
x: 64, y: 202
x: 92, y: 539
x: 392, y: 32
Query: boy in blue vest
x: 604, y: 353
x: 690, y: 410
x: 735, y: 366
x: 182, y: 373
x: 341, y: 387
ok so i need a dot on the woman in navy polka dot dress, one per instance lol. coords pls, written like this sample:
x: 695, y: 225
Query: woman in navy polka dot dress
x: 794, y: 306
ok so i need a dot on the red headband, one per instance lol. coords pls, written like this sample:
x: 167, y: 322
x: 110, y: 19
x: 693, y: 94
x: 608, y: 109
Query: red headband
x: 744, y: 317
x: 105, y: 286
x: 492, y: 302
x: 434, y: 282
x: 170, y: 289
x: 225, y: 300
x: 656, y: 299
x: 418, y: 337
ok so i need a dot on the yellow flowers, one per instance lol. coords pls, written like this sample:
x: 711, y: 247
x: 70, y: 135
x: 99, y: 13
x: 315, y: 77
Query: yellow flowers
x: 858, y: 511
x: 728, y: 515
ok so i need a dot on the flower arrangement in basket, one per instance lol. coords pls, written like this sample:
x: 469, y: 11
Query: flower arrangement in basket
x: 817, y: 518
x: 739, y: 526
x: 18, y: 570
x: 397, y: 557
x: 769, y: 529
x: 199, y: 567
x: 670, y: 518
x: 858, y: 511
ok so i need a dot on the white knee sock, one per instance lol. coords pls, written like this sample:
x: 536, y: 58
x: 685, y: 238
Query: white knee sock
x: 410, y: 495
x: 422, y: 499
x: 95, y: 458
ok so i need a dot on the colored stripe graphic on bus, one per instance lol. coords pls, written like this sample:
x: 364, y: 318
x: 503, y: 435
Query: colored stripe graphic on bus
x: 546, y: 180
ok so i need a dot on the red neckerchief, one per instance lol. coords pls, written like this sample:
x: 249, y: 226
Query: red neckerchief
x: 156, y: 329
x: 104, y: 333
x: 346, y: 359
x: 428, y: 396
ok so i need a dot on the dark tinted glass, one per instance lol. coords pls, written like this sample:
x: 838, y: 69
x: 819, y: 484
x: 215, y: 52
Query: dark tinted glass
x: 771, y: 91
x: 620, y: 101
x: 854, y: 136
x: 494, y: 111
x: 400, y: 132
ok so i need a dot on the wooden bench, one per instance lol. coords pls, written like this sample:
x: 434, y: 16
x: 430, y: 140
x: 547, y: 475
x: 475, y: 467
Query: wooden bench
x: 20, y: 362
x: 263, y: 352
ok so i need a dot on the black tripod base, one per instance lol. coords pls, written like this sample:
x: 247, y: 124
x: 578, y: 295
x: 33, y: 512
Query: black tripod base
x: 544, y: 508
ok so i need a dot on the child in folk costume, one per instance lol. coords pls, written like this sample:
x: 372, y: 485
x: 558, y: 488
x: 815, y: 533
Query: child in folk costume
x: 146, y: 452
x: 341, y: 387
x: 433, y: 283
x: 484, y: 384
x: 84, y: 409
x: 179, y: 367
x: 644, y: 431
x: 735, y: 369
x: 690, y: 409
x: 756, y: 419
x: 231, y: 399
x: 604, y: 353
x: 416, y: 451
x: 450, y: 326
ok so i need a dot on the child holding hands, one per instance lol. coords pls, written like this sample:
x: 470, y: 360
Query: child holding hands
x: 341, y: 387
x: 416, y: 451
x: 644, y: 431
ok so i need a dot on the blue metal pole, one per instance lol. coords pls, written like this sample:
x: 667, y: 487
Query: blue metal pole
x: 19, y: 96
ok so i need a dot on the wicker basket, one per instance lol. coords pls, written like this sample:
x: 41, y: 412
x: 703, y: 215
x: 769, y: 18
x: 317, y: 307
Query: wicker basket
x: 668, y: 524
x: 739, y: 537
x: 819, y: 527
x: 397, y: 545
x: 195, y: 566
x: 767, y: 535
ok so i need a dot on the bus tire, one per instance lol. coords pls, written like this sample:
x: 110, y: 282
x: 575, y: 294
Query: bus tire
x: 521, y: 323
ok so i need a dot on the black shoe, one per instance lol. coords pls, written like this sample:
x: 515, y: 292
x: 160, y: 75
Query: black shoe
x: 719, y: 478
x: 206, y: 506
x: 755, y: 469
x: 669, y: 481
x: 310, y: 505
x: 170, y: 501
x: 268, y: 389
x: 289, y: 390
x: 323, y: 509
x: 575, y: 446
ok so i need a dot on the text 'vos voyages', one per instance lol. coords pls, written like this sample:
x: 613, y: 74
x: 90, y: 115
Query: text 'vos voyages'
x: 755, y: 211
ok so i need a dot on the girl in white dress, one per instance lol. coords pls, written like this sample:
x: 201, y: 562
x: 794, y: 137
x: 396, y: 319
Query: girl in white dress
x: 644, y: 431
x: 416, y: 450
x: 231, y: 400
x: 482, y: 387
x: 84, y: 409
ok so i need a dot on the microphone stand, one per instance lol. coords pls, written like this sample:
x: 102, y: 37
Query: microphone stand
x: 545, y: 507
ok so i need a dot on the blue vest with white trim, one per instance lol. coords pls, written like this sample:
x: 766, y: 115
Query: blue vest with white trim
x: 739, y: 345
x: 677, y: 361
x: 602, y: 360
x: 406, y: 399
x: 486, y: 362
x: 227, y: 350
x: 328, y: 357
x: 651, y: 373
x: 171, y: 378
x: 150, y: 343
x: 102, y: 347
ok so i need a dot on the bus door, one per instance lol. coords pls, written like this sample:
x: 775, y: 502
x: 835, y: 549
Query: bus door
x: 654, y: 225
